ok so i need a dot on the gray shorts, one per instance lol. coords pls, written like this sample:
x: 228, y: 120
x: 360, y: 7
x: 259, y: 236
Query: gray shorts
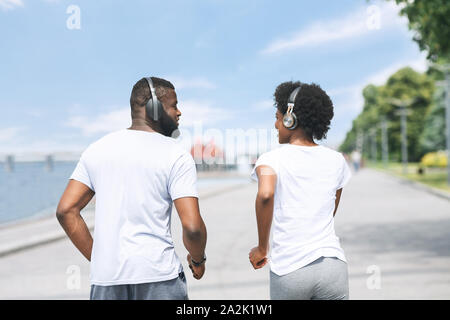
x: 174, y: 289
x: 323, y: 279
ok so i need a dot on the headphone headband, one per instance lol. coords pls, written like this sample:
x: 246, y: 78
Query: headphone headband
x: 289, y: 118
x: 153, y: 106
x: 291, y: 100
x: 152, y: 88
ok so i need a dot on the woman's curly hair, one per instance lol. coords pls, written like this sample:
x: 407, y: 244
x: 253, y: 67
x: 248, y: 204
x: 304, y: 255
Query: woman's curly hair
x: 313, y: 107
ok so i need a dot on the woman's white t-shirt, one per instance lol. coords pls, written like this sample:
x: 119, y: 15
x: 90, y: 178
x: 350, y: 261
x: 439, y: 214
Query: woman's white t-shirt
x: 136, y: 175
x: 303, y: 222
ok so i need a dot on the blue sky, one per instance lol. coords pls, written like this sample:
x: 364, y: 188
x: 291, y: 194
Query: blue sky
x: 62, y: 88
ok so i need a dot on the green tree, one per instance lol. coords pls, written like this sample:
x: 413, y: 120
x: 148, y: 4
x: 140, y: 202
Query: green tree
x: 405, y: 84
x: 365, y: 120
x: 432, y: 137
x: 429, y: 19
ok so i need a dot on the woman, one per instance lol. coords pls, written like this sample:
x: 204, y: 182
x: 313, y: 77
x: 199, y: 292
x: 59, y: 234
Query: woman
x: 299, y: 187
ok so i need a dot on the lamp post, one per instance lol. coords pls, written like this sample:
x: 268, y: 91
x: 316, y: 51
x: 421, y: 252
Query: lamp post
x: 403, y: 112
x: 373, y: 138
x: 446, y: 83
x: 447, y: 120
x: 359, y: 141
x: 384, y: 142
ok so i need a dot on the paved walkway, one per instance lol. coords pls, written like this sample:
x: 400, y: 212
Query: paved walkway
x: 389, y: 225
x: 390, y: 231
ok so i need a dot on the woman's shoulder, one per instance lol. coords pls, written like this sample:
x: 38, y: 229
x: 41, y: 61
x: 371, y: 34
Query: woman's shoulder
x: 271, y: 154
x: 333, y: 156
x: 330, y: 150
x: 269, y: 158
x: 319, y: 152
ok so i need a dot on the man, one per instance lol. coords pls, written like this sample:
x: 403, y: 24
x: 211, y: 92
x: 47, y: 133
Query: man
x: 136, y: 174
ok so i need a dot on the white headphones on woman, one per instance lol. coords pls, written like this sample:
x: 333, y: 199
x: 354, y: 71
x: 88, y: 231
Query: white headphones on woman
x: 290, y: 119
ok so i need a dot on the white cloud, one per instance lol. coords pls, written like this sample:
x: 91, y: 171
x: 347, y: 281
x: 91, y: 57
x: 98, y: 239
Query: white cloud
x: 189, y: 83
x: 108, y: 122
x: 263, y: 105
x: 420, y: 64
x: 10, y: 4
x: 353, y: 99
x: 356, y: 24
x: 199, y: 111
x: 348, y: 101
x: 192, y: 112
x: 35, y: 113
x: 8, y: 134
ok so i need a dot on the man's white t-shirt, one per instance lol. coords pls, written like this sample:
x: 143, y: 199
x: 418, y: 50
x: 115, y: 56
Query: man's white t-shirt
x: 136, y: 175
x: 303, y: 222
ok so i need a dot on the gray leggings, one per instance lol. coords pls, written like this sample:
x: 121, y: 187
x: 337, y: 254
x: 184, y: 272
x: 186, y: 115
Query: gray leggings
x: 323, y: 279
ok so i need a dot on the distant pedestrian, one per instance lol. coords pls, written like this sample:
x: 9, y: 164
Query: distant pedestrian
x: 136, y: 174
x: 299, y: 189
x: 356, y: 160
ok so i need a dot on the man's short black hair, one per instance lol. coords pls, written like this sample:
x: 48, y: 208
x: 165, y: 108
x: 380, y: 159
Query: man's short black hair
x: 141, y: 91
x: 313, y: 107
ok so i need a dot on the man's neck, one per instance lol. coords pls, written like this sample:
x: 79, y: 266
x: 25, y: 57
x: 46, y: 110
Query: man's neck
x: 140, y: 124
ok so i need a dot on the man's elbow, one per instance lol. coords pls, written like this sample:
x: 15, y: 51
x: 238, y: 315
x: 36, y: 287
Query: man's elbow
x: 194, y: 234
x: 62, y: 212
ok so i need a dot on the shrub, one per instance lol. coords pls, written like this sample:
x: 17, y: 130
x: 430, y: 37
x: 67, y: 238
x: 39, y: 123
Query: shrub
x: 437, y: 159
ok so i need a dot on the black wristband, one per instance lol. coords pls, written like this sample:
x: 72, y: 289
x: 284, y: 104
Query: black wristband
x: 198, y: 264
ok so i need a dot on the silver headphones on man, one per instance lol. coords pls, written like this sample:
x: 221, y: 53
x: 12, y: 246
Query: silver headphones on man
x: 290, y: 119
x: 153, y: 107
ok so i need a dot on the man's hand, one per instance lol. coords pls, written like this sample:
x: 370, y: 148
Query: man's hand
x: 194, y: 232
x: 258, y: 257
x: 197, y: 272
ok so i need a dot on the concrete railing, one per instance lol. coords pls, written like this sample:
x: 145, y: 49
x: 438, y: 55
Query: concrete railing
x: 8, y: 161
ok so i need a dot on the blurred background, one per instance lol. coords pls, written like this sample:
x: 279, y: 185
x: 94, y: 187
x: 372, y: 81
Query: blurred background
x: 66, y: 73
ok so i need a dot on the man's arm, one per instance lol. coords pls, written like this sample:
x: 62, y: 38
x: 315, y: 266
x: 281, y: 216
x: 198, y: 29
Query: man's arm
x: 264, y: 213
x: 336, y: 201
x: 76, y: 196
x: 194, y: 232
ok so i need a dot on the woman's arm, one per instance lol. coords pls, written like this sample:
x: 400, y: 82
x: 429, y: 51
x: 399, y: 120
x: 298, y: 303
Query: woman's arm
x: 336, y: 201
x: 264, y: 213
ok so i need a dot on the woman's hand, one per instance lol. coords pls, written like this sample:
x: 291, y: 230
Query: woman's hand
x: 264, y: 203
x: 258, y: 257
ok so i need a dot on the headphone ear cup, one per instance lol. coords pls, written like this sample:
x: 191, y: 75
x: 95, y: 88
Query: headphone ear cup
x: 290, y: 121
x: 154, y: 109
x: 149, y: 109
x: 159, y: 109
x: 294, y: 125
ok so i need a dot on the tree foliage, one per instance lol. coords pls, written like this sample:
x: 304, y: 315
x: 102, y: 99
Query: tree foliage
x: 433, y: 137
x: 405, y: 84
x: 429, y: 19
